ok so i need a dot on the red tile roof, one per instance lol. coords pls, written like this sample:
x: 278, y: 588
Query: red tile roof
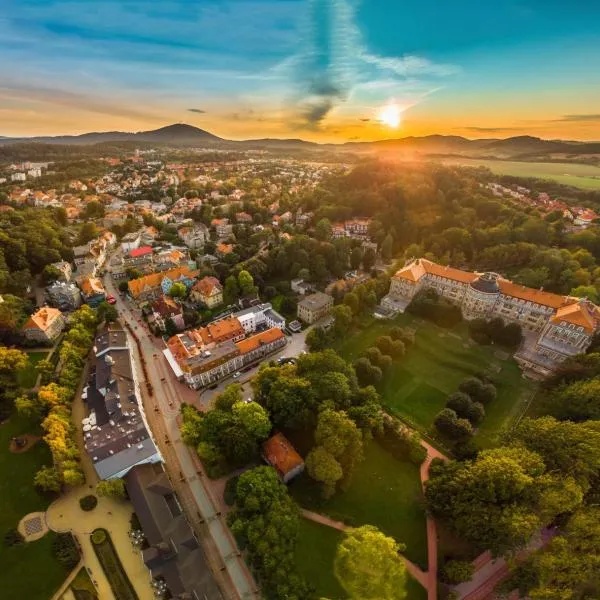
x: 142, y: 251
x: 281, y: 455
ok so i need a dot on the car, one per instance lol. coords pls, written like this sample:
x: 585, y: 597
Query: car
x: 236, y: 374
x: 111, y: 299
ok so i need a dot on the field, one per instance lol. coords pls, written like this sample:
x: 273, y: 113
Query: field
x: 315, y: 553
x: 27, y: 377
x: 577, y: 175
x: 18, y: 497
x: 418, y: 384
x: 384, y: 492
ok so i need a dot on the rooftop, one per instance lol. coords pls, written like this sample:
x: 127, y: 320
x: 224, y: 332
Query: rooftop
x: 281, y: 455
x: 43, y: 318
x: 141, y: 251
x: 316, y: 301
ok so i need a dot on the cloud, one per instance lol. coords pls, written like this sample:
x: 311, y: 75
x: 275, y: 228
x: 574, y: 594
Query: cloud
x: 579, y: 118
x: 197, y: 110
x: 490, y: 129
x: 365, y: 120
x: 335, y: 67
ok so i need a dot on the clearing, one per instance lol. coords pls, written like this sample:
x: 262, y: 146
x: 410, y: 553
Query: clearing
x: 418, y: 384
x: 384, y: 492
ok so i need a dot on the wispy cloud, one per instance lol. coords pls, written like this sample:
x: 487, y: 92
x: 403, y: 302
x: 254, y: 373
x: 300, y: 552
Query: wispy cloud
x: 197, y: 110
x: 491, y: 129
x: 591, y: 118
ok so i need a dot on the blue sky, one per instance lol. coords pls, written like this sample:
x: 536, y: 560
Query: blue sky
x: 317, y: 69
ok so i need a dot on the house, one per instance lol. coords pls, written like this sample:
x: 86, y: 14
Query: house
x: 301, y: 287
x: 165, y: 308
x: 223, y: 228
x: 314, y: 307
x: 260, y: 315
x: 173, y: 554
x: 63, y: 295
x: 138, y: 258
x: 554, y: 326
x: 243, y: 217
x: 45, y: 325
x: 153, y: 285
x: 115, y: 432
x: 92, y: 291
x: 131, y: 241
x: 194, y: 237
x: 278, y: 452
x: 207, y: 291
x: 223, y: 250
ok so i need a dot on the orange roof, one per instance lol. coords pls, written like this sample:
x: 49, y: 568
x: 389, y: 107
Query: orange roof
x: 508, y: 288
x: 43, y: 318
x: 225, y: 248
x: 137, y: 286
x: 260, y: 339
x: 582, y: 313
x: 207, y: 285
x: 280, y: 454
x: 91, y: 286
x: 221, y: 331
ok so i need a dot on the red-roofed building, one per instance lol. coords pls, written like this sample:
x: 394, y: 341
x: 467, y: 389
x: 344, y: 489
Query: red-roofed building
x: 282, y: 456
x: 141, y: 251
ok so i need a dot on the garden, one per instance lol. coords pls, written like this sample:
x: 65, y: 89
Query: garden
x: 416, y: 387
x: 384, y: 492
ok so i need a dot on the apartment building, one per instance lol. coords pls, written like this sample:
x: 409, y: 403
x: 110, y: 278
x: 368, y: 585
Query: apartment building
x: 63, y: 295
x: 314, y: 307
x: 44, y: 325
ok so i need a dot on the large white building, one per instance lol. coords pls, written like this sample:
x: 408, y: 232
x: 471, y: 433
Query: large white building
x: 555, y: 327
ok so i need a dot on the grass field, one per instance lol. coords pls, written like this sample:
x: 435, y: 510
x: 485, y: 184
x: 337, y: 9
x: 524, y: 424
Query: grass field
x: 418, y: 384
x: 82, y: 586
x: 18, y: 497
x: 582, y: 176
x: 384, y: 492
x: 315, y: 554
x: 27, y: 377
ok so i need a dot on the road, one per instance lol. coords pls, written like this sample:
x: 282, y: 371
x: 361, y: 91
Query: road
x: 186, y: 474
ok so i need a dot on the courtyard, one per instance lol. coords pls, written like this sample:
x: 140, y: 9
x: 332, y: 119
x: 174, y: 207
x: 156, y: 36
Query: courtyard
x: 417, y: 385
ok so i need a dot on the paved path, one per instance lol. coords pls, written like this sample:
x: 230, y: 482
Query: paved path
x: 65, y: 514
x: 186, y: 475
x: 63, y: 589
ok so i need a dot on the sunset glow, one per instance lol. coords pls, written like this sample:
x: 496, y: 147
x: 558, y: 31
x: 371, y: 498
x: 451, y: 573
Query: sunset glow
x: 390, y: 115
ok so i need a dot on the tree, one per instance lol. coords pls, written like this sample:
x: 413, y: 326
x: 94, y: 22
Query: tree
x: 231, y: 290
x: 342, y: 315
x: 229, y: 396
x: 323, y: 230
x: 352, y: 302
x: 369, y: 567
x: 458, y: 571
x: 323, y: 467
x: 246, y: 283
x: 448, y: 423
x: 367, y: 373
x: 318, y: 339
x: 387, y: 247
x: 577, y: 401
x: 123, y: 286
x: 478, y: 390
x: 178, y: 290
x: 47, y: 479
x: 93, y: 210
x: 369, y: 258
x: 87, y: 233
x: 460, y: 403
x: 51, y: 274
x: 107, y: 312
x: 356, y: 257
x: 113, y: 488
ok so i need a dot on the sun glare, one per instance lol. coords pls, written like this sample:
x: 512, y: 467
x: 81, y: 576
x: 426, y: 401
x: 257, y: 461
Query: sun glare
x: 390, y: 115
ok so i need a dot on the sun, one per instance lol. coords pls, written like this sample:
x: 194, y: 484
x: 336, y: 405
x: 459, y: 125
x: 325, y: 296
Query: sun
x: 390, y: 115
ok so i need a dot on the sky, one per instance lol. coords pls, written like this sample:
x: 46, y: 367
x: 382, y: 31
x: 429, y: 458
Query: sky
x: 323, y: 70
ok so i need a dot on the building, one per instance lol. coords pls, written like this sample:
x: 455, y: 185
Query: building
x: 314, y: 307
x: 200, y: 359
x: 18, y: 177
x: 259, y: 316
x: 223, y: 249
x: 45, y: 325
x: 63, y: 295
x: 301, y: 287
x: 555, y: 327
x: 116, y: 434
x: 154, y: 285
x: 207, y: 291
x: 64, y: 268
x: 92, y: 291
x: 282, y: 456
x: 223, y: 228
x: 194, y: 237
x: 173, y: 554
x: 138, y: 258
x: 165, y: 308
x: 131, y: 241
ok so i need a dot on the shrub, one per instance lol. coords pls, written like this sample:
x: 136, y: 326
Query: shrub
x: 448, y: 424
x: 98, y: 536
x: 13, y: 538
x: 457, y: 571
x: 230, y: 490
x: 478, y: 390
x: 460, y: 403
x: 88, y: 503
x: 475, y: 413
x: 65, y: 550
x: 400, y: 442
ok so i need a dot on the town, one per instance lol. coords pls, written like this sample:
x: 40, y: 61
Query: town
x: 183, y: 327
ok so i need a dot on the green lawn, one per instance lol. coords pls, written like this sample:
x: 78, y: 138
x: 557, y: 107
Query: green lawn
x: 18, y: 498
x: 315, y: 553
x: 418, y: 384
x: 27, y: 377
x: 577, y: 175
x: 384, y: 492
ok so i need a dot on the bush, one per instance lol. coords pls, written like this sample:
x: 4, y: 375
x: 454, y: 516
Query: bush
x: 460, y: 403
x: 88, y: 503
x: 449, y: 424
x: 475, y: 413
x: 400, y: 442
x: 457, y: 571
x: 230, y: 490
x: 65, y: 550
x: 13, y: 538
x: 478, y: 390
x: 98, y: 536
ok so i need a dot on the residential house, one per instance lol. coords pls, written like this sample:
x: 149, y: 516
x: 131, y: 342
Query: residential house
x: 92, y: 291
x: 223, y: 228
x: 194, y: 237
x: 63, y: 295
x: 207, y: 291
x: 164, y: 308
x: 64, y: 268
x: 314, y: 307
x: 45, y: 325
x: 278, y: 452
x: 223, y: 250
x: 152, y: 286
x: 131, y: 241
x: 301, y: 287
x: 259, y: 316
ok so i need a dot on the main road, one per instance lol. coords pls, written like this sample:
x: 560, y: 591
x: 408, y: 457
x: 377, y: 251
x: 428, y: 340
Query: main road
x: 185, y: 472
